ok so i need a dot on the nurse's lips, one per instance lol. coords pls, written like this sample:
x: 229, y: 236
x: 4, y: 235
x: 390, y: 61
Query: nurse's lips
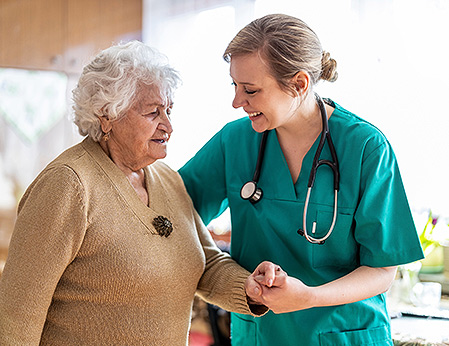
x: 254, y: 115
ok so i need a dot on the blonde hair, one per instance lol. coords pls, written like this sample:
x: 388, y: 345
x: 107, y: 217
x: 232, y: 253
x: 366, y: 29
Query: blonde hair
x: 287, y: 45
x: 109, y: 83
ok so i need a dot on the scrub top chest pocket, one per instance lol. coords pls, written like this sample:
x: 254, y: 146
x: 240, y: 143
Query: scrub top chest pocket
x: 340, y: 249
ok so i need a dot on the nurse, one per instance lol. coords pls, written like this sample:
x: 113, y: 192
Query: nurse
x: 335, y: 292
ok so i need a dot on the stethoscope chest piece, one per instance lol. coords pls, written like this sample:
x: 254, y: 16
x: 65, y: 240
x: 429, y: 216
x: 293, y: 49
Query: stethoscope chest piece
x: 251, y: 192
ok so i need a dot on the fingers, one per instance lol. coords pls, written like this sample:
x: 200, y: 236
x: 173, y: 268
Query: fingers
x: 269, y: 271
x: 272, y: 278
x: 280, y: 278
x: 253, y: 289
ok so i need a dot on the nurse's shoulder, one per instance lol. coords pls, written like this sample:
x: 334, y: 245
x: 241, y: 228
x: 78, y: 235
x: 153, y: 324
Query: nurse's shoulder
x: 351, y: 129
x: 237, y: 128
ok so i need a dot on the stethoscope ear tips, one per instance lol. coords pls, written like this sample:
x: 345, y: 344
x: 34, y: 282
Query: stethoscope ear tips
x: 251, y: 192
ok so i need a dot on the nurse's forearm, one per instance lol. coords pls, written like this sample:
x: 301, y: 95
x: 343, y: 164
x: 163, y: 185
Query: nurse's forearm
x: 291, y: 294
x: 364, y: 282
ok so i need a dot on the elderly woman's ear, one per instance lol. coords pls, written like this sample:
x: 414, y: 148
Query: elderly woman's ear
x: 105, y: 124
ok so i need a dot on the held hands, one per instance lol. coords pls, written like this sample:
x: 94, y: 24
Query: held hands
x: 271, y: 286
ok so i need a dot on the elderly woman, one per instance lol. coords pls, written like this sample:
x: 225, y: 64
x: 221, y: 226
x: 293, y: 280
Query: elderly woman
x: 107, y: 248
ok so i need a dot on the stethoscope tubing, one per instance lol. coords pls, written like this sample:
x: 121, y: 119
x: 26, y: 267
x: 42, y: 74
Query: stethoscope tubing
x: 251, y: 192
x: 325, y: 135
x: 304, y: 220
x: 263, y: 143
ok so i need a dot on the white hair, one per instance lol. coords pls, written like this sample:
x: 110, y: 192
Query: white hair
x: 108, y: 84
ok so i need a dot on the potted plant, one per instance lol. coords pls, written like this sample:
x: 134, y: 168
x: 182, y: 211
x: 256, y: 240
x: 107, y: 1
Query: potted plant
x: 433, y: 237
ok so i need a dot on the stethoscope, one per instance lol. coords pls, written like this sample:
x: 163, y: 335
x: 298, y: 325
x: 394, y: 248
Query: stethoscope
x: 250, y: 191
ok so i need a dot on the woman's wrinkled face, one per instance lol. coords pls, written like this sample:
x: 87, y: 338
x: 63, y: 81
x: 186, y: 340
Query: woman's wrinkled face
x: 267, y: 105
x: 140, y: 137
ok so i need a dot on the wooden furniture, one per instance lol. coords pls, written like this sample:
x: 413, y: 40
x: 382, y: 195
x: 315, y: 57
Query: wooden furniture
x: 61, y: 35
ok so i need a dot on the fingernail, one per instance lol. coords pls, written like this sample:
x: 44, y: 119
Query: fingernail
x: 270, y: 282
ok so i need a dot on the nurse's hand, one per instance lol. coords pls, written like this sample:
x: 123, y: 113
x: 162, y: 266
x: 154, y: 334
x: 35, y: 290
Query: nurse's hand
x: 286, y: 295
x: 267, y: 274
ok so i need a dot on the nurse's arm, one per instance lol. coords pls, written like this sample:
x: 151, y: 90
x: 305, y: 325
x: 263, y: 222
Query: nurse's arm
x: 364, y: 282
x: 292, y: 295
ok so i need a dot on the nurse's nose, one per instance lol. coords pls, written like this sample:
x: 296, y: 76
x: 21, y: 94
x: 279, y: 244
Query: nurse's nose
x: 239, y: 99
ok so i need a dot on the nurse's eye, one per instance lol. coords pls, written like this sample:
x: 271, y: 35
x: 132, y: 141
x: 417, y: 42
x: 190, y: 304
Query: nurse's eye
x: 247, y: 91
x: 250, y: 92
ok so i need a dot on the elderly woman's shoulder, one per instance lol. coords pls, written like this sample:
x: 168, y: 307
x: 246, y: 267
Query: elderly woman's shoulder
x: 69, y: 167
x: 164, y: 173
x: 68, y: 158
x: 162, y: 168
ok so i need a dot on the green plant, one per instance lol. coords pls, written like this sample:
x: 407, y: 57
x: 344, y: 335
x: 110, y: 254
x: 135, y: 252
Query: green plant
x: 434, y: 234
x: 426, y: 237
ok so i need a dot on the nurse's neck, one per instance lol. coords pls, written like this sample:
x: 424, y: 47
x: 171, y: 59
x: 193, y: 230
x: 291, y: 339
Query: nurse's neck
x: 305, y: 123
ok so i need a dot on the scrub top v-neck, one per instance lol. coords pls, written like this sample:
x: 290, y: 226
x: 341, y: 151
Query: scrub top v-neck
x: 374, y: 226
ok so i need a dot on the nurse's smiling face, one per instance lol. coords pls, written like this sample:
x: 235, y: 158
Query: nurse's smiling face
x: 267, y: 105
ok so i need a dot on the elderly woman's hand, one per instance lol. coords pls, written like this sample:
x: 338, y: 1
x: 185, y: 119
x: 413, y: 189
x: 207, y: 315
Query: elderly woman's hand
x: 267, y: 275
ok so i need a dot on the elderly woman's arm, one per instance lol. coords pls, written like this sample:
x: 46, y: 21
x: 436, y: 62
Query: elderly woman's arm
x: 223, y: 281
x: 39, y: 252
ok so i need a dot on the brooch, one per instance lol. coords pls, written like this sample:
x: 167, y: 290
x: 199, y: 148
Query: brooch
x: 163, y: 226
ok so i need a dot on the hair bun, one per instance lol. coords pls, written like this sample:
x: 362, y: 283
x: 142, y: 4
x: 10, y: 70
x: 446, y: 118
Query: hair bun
x: 328, y: 68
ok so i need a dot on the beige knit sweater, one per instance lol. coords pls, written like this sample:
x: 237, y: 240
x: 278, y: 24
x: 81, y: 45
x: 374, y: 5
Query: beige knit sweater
x: 86, y: 266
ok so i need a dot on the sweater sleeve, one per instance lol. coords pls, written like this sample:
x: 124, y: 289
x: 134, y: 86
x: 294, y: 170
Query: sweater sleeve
x: 223, y: 280
x: 49, y: 230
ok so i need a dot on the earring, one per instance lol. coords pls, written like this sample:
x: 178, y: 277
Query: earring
x: 106, y: 136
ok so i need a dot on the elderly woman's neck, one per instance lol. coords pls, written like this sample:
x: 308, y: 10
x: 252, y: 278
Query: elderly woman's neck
x: 136, y: 176
x: 127, y: 165
x: 115, y: 158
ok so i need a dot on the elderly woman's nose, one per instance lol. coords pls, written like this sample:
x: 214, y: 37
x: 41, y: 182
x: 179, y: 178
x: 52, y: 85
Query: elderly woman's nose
x: 165, y: 124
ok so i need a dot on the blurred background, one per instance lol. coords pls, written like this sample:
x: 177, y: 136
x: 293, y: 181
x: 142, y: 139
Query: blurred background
x: 392, y: 61
x: 392, y: 56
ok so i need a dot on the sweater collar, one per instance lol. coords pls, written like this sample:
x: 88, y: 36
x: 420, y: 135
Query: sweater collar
x: 125, y: 190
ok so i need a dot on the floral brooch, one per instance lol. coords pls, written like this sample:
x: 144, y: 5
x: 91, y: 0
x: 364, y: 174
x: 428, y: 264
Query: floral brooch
x: 163, y: 226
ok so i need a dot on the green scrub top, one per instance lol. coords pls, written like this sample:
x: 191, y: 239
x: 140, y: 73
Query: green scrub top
x: 374, y: 225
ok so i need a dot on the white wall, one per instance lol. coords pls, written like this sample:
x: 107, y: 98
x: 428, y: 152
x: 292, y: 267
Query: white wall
x: 392, y: 55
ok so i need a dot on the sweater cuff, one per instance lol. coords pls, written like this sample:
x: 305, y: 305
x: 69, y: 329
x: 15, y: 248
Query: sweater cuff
x: 242, y: 300
x: 258, y: 310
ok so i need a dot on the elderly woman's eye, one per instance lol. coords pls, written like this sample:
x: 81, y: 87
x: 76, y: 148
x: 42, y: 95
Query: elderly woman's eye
x: 152, y: 114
